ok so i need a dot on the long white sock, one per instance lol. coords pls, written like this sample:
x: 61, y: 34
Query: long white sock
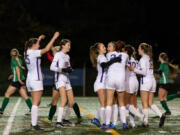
x: 34, y: 115
x: 131, y: 119
x: 108, y: 114
x: 97, y: 116
x: 122, y: 111
x: 102, y: 115
x: 68, y: 113
x: 60, y: 114
x: 156, y: 110
x: 146, y: 113
x: 134, y: 111
x: 114, y: 114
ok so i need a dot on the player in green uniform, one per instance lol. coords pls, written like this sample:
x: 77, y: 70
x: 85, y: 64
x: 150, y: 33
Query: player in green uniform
x: 18, y: 81
x: 164, y: 82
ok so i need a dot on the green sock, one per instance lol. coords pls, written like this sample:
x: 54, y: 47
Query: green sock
x: 165, y: 106
x: 172, y: 96
x: 29, y: 103
x: 52, y: 112
x: 4, y: 103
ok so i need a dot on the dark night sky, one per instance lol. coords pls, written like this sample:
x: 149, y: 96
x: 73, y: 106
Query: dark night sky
x: 88, y: 21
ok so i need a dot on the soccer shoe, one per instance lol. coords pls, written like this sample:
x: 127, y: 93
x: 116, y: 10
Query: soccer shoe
x: 167, y: 113
x: 68, y: 123
x: 114, y: 126
x: 131, y: 125
x: 59, y: 125
x: 37, y: 127
x: 104, y: 126
x: 79, y: 120
x: 28, y: 113
x: 96, y: 122
x: 125, y: 126
x: 145, y: 125
x: 162, y: 119
x: 46, y: 120
x: 1, y: 112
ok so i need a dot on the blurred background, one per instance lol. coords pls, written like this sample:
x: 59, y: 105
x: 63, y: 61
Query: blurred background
x: 85, y: 22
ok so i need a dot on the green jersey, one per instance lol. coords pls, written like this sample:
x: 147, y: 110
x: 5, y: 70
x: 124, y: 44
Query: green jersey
x: 15, y: 64
x: 164, y: 77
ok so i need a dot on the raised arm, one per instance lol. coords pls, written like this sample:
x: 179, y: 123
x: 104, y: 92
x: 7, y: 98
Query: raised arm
x: 50, y: 44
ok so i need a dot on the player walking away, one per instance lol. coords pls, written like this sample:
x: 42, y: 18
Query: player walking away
x: 132, y: 86
x: 164, y: 82
x: 148, y: 83
x: 99, y: 61
x: 18, y: 81
x: 34, y: 80
x: 115, y: 82
x: 56, y: 95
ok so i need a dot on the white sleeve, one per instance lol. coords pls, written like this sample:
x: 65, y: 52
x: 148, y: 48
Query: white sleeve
x: 102, y: 59
x: 36, y: 53
x: 143, y: 70
x: 56, y: 64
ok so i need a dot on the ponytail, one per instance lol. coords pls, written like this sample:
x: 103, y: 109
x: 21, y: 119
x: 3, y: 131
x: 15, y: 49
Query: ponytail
x: 129, y: 50
x: 29, y: 44
x: 174, y: 69
x: 94, y: 54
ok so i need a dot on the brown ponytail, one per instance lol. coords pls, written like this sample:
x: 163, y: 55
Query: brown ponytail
x: 29, y: 44
x: 174, y: 69
x: 94, y: 54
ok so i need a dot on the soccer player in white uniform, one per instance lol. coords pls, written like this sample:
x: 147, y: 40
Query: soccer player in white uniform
x: 115, y: 81
x: 61, y: 66
x: 99, y: 61
x: 34, y: 80
x: 148, y: 82
x: 132, y: 86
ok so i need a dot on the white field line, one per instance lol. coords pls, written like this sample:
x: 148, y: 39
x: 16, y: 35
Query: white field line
x: 11, y: 118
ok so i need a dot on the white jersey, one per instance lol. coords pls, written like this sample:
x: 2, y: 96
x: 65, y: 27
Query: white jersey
x: 145, y: 68
x: 101, y: 73
x: 60, y: 61
x: 134, y: 63
x: 33, y: 62
x: 117, y: 68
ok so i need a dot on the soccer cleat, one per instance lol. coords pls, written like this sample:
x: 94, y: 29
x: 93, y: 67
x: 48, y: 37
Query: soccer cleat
x: 104, y: 126
x: 167, y: 113
x: 46, y: 120
x: 37, y: 127
x: 114, y: 126
x: 59, y: 125
x: 131, y: 125
x: 68, y: 123
x: 96, y: 122
x: 1, y: 112
x: 162, y: 120
x: 79, y: 120
x: 145, y: 125
x: 125, y: 126
x: 28, y: 113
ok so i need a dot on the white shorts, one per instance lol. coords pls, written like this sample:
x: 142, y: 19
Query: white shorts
x: 115, y: 83
x: 132, y: 85
x: 98, y: 85
x: 65, y: 84
x: 149, y: 86
x: 34, y: 85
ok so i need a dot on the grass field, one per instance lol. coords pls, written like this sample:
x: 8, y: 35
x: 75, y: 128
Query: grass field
x: 15, y: 122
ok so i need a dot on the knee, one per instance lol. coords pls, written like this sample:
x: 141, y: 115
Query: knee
x: 7, y: 95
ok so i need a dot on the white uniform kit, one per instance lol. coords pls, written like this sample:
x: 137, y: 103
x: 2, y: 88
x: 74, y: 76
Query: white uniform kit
x: 34, y: 81
x: 131, y: 79
x: 145, y: 68
x: 100, y: 79
x: 116, y: 72
x: 61, y: 61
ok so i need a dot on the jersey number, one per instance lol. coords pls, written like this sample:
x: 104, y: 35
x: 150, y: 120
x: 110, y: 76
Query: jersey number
x: 27, y: 59
x: 114, y: 56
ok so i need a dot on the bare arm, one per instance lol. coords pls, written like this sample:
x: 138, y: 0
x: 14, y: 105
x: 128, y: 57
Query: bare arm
x: 18, y: 75
x: 50, y: 44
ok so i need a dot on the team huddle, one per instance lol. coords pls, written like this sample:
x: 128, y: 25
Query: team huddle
x: 116, y: 83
